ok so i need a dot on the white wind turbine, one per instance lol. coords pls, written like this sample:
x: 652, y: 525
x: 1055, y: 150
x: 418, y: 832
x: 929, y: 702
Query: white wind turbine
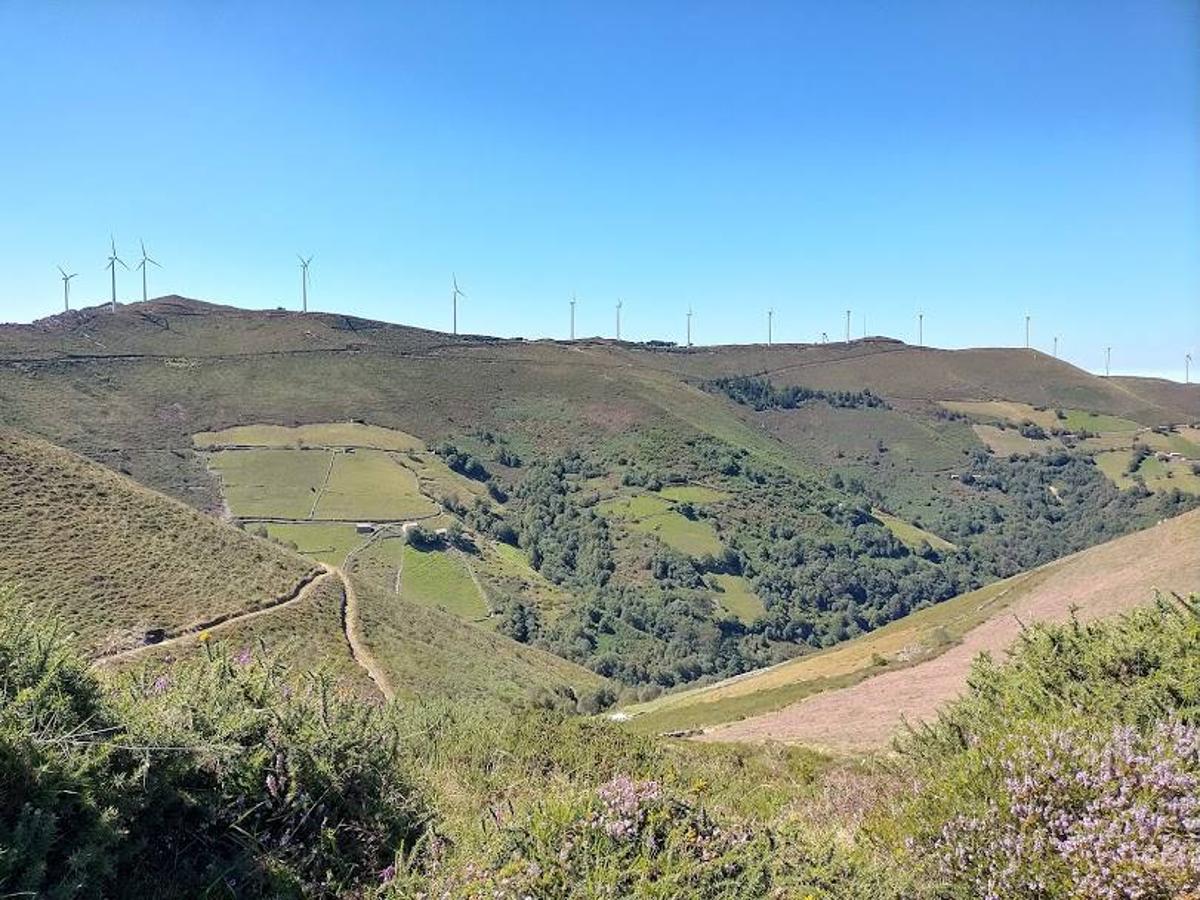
x: 113, y: 259
x: 66, y: 280
x: 142, y: 265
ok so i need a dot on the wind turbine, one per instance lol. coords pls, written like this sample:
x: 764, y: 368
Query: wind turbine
x: 847, y: 326
x: 454, y: 295
x: 920, y: 329
x: 1187, y: 368
x: 304, y: 263
x: 142, y: 266
x: 770, y: 317
x: 1027, y: 331
x: 618, y: 319
x: 66, y: 280
x: 573, y: 317
x: 1056, y: 346
x: 113, y: 259
x: 1107, y: 360
x: 689, y: 326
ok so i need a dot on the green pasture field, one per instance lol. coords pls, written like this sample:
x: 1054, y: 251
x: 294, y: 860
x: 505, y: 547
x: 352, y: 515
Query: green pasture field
x: 326, y: 542
x: 440, y: 579
x: 910, y: 534
x: 371, y: 484
x: 327, y: 434
x: 737, y: 597
x: 271, y: 483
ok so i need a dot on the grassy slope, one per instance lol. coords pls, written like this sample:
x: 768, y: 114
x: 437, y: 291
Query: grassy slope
x: 114, y: 559
x: 428, y: 651
x: 1101, y: 579
x: 308, y: 636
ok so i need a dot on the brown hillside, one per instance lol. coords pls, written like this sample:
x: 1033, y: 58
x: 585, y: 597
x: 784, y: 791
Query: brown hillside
x: 1096, y: 582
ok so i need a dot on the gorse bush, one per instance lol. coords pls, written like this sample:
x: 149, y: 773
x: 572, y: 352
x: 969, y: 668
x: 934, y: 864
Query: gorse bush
x: 218, y: 779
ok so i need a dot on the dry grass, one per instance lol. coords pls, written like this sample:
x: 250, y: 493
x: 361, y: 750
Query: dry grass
x: 116, y: 560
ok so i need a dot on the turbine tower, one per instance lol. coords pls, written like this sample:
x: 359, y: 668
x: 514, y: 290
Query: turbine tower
x: 847, y: 326
x: 454, y: 295
x: 1107, y: 360
x: 1027, y: 331
x: 1056, y: 346
x: 920, y: 329
x: 113, y: 259
x: 66, y: 280
x: 142, y: 266
x: 573, y: 301
x: 618, y: 319
x: 770, y: 317
x: 1187, y: 368
x: 303, y: 281
x: 689, y: 326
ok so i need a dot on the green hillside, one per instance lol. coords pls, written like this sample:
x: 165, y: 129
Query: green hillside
x: 117, y: 561
x: 656, y: 515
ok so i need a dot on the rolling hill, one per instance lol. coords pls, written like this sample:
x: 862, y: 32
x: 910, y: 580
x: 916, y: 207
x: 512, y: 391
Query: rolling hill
x: 855, y: 697
x: 613, y: 506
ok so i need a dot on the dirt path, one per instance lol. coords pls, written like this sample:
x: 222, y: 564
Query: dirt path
x: 1097, y: 582
x: 303, y: 590
x: 352, y: 625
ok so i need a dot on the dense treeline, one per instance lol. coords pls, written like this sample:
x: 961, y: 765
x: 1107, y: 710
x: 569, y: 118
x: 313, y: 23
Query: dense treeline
x: 824, y: 567
x: 760, y: 393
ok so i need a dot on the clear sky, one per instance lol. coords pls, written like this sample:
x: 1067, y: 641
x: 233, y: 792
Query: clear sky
x: 975, y: 160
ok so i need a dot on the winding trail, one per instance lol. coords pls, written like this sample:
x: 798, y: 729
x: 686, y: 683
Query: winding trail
x: 352, y: 626
x: 301, y: 592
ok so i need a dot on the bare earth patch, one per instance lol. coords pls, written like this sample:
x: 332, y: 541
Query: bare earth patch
x: 1099, y: 581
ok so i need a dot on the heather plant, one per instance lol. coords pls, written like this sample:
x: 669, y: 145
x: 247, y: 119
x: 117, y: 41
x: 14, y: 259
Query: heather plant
x: 1075, y: 816
x: 637, y: 838
x: 1071, y: 771
x: 287, y: 789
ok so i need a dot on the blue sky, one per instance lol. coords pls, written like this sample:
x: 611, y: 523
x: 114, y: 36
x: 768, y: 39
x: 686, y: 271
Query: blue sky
x: 974, y: 160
